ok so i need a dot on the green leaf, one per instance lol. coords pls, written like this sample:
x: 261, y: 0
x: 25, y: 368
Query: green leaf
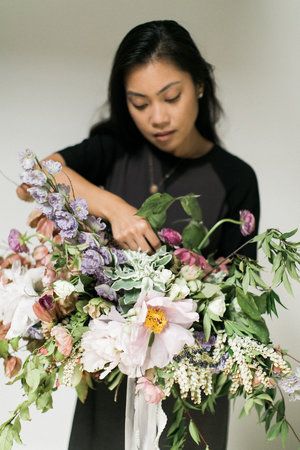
x: 247, y: 305
x: 6, y: 438
x: 261, y: 302
x: 287, y: 284
x: 77, y: 375
x: 24, y: 413
x: 154, y: 209
x: 259, y: 329
x: 44, y: 401
x: 33, y: 379
x: 82, y: 389
x: 265, y: 397
x: 193, y: 234
x: 193, y: 430
x: 191, y: 206
x: 209, y: 290
x: 16, y: 431
x: 3, y: 348
x: 284, y: 431
x: 14, y: 342
x: 274, y: 431
x: 289, y: 234
x: 248, y: 405
x: 246, y: 280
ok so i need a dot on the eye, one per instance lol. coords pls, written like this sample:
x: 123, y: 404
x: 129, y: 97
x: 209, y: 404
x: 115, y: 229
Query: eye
x: 174, y: 99
x: 140, y: 107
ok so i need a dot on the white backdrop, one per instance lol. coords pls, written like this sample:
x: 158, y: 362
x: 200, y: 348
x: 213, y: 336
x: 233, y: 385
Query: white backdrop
x: 55, y: 61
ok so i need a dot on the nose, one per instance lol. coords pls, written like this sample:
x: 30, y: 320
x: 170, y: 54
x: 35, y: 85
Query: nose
x: 159, y: 116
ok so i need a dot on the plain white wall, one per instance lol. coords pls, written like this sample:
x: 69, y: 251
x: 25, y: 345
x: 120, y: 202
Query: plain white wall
x: 55, y: 58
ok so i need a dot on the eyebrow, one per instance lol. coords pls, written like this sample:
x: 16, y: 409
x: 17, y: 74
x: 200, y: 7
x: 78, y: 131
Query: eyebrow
x: 137, y: 94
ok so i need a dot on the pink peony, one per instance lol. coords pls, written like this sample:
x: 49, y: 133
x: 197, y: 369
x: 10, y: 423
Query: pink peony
x: 191, y: 258
x: 170, y: 236
x: 248, y: 222
x: 63, y: 339
x: 152, y: 393
x: 167, y: 322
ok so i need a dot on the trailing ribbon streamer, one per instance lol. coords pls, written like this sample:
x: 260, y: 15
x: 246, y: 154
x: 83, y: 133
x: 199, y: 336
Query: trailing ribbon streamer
x: 144, y: 422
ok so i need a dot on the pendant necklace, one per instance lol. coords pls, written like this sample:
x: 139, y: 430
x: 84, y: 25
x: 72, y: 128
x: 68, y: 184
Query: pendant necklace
x: 155, y: 186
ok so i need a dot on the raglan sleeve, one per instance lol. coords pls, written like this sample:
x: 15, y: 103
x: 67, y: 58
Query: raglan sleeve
x: 244, y: 196
x: 92, y: 158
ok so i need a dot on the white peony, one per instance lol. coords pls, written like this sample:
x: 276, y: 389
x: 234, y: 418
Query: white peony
x: 217, y: 305
x: 18, y: 297
x: 63, y: 288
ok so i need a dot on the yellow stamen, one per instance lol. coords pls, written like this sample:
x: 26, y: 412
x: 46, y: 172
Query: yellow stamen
x: 156, y: 320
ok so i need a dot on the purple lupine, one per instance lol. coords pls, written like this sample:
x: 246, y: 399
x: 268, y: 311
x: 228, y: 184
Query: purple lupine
x: 206, y: 345
x: 80, y: 208
x: 170, y: 237
x: 248, y: 222
x: 52, y: 167
x: 66, y: 223
x: 27, y: 159
x: 15, y: 241
x: 120, y: 255
x: 105, y: 291
x: 39, y: 194
x: 34, y: 177
x: 46, y: 301
x: 56, y: 200
x: 96, y: 224
x: 91, y: 261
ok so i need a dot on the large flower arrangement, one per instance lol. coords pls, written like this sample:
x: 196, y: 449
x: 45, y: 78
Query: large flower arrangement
x: 173, y: 322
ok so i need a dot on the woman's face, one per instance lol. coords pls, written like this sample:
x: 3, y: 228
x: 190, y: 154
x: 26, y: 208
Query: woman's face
x: 163, y: 103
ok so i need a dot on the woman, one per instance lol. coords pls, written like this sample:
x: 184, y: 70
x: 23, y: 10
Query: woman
x: 161, y: 136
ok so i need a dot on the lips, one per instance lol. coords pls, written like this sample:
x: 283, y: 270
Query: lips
x: 163, y: 133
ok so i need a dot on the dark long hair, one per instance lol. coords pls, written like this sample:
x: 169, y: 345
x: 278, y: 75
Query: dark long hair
x: 159, y: 39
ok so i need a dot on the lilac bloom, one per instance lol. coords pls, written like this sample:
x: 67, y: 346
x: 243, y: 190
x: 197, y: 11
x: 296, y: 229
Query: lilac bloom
x: 66, y: 223
x: 27, y: 159
x: 105, y: 291
x: 34, y: 177
x: 56, y: 200
x: 96, y: 224
x: 53, y: 167
x: 248, y: 222
x: 39, y: 194
x: 80, y: 208
x: 15, y: 241
x: 91, y: 261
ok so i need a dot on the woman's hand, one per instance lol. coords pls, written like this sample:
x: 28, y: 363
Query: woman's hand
x: 129, y: 230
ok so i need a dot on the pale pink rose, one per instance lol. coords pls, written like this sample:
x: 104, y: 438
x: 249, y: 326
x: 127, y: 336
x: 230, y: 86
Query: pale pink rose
x: 152, y: 393
x: 40, y: 252
x: 63, y: 339
x: 170, y: 236
x: 12, y: 366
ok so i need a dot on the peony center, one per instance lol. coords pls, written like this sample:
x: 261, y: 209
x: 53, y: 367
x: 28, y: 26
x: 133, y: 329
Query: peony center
x: 156, y: 320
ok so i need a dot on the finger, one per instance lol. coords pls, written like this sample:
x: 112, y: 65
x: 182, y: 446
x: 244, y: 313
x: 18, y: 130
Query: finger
x: 142, y: 244
x: 153, y: 240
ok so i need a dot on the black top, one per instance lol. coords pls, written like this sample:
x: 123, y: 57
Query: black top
x: 226, y: 184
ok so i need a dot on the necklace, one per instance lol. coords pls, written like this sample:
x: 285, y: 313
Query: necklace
x: 155, y: 187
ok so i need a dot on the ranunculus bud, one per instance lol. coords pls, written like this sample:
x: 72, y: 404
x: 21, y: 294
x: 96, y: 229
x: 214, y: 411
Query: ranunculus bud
x: 217, y: 305
x: 43, y: 314
x: 12, y: 366
x: 170, y: 237
x: 63, y: 339
x: 248, y: 222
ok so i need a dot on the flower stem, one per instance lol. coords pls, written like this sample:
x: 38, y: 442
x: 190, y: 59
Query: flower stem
x: 288, y: 423
x: 200, y: 434
x: 237, y: 222
x: 292, y: 357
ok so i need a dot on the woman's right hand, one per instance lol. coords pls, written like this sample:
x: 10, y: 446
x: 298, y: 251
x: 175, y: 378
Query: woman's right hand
x: 129, y: 230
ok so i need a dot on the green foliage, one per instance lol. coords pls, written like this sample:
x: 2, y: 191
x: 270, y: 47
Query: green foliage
x: 154, y: 209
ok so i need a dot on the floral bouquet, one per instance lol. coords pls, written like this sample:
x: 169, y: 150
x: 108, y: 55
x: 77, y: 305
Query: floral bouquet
x: 174, y: 322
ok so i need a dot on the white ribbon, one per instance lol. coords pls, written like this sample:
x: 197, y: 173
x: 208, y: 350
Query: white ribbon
x: 144, y: 422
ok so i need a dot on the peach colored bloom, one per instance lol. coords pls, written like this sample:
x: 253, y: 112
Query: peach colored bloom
x: 40, y: 252
x: 63, y: 339
x: 49, y: 277
x: 42, y: 313
x: 3, y: 329
x: 152, y: 393
x: 45, y: 227
x: 12, y: 366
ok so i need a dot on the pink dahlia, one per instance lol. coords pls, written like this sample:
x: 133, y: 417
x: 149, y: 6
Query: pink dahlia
x: 170, y: 236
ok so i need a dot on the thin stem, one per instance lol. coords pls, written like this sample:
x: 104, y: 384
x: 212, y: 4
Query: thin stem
x: 289, y: 424
x: 237, y: 222
x: 201, y: 435
x: 292, y: 357
x: 8, y: 179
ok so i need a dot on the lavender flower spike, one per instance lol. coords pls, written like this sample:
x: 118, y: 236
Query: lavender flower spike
x: 248, y: 222
x: 52, y: 167
x: 80, y: 208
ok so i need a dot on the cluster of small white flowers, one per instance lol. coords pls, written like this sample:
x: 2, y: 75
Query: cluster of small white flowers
x: 243, y: 369
x: 191, y: 379
x: 261, y: 377
x: 69, y: 371
x: 219, y: 346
